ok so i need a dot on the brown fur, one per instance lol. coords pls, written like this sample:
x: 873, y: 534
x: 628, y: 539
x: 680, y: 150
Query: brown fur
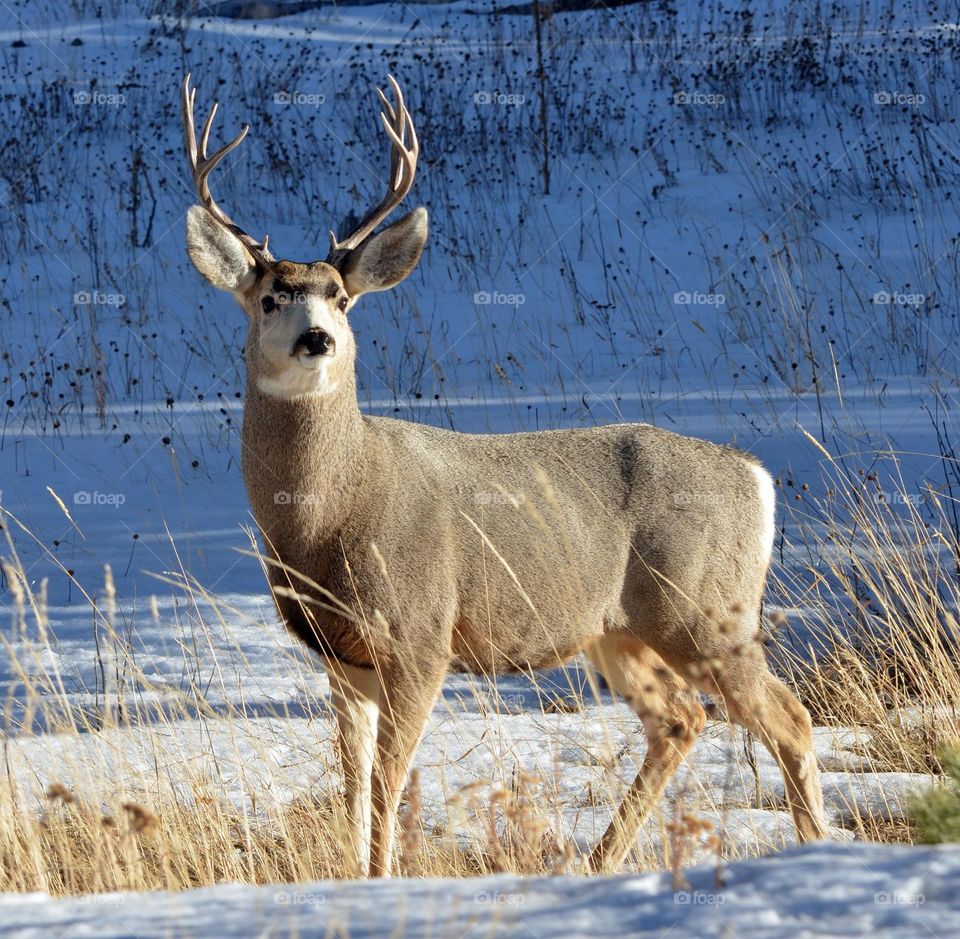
x: 506, y: 552
x: 400, y: 551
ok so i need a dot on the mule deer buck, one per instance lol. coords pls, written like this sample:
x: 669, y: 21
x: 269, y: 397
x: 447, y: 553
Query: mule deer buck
x: 645, y: 550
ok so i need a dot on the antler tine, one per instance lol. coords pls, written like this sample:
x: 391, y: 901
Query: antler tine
x: 401, y: 155
x: 209, y: 163
x: 403, y: 167
x: 397, y: 126
x: 205, y: 136
x: 201, y: 166
x: 385, y: 101
x: 389, y: 120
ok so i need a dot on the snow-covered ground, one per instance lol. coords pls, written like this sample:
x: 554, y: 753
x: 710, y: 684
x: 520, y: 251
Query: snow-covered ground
x: 821, y: 891
x: 581, y: 764
x: 750, y: 234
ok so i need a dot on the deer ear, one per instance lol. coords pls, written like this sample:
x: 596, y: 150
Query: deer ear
x: 218, y: 253
x: 388, y: 258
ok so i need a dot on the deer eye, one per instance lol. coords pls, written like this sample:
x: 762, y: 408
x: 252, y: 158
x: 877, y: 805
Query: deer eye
x: 268, y: 304
x: 342, y: 304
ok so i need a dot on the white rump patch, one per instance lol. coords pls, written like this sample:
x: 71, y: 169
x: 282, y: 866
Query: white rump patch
x: 768, y: 499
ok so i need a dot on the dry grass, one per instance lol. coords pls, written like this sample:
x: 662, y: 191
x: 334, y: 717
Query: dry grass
x: 179, y: 828
x: 876, y: 606
x: 881, y: 577
x: 881, y: 828
x: 78, y: 847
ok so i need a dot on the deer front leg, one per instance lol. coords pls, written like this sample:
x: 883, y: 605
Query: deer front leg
x: 409, y: 692
x: 356, y: 701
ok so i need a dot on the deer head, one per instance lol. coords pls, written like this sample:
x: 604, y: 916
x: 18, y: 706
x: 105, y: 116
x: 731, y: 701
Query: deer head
x: 299, y: 341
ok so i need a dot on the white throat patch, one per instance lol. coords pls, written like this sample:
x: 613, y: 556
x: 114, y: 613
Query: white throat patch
x: 300, y: 381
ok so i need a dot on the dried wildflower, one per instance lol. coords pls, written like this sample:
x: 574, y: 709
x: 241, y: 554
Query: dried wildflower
x: 141, y: 819
x: 59, y: 792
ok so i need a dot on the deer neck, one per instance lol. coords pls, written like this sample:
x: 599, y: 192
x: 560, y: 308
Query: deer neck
x: 302, y: 464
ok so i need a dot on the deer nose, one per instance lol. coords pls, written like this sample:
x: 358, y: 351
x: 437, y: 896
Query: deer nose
x: 314, y: 342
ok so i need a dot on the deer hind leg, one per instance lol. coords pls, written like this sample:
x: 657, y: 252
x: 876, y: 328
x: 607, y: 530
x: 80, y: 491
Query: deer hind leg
x: 356, y: 701
x: 672, y: 717
x: 759, y: 701
x: 409, y: 693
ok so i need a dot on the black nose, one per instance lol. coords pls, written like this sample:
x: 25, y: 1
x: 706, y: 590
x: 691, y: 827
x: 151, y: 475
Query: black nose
x: 314, y: 342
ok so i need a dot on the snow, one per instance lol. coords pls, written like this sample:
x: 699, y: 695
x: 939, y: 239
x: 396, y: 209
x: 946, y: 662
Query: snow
x: 823, y: 891
x: 263, y: 760
x: 695, y: 267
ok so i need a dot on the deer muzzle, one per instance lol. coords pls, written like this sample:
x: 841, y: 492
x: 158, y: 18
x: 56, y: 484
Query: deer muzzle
x: 314, y: 342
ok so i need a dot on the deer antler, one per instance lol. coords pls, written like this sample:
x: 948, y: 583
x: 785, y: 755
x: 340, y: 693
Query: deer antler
x: 403, y: 166
x: 201, y: 166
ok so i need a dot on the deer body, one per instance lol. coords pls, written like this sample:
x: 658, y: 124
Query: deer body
x: 568, y: 530
x: 399, y: 551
